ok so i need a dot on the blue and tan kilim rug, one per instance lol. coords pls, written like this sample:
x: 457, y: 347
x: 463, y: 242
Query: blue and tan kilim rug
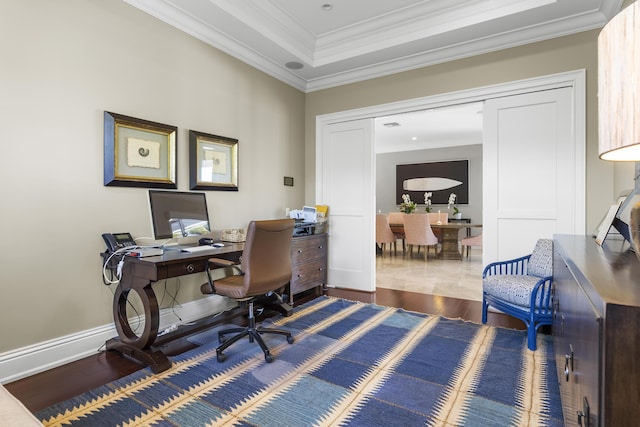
x: 351, y: 364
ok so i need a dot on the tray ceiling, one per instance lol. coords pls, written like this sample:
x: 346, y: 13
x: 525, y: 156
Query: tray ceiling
x: 317, y: 44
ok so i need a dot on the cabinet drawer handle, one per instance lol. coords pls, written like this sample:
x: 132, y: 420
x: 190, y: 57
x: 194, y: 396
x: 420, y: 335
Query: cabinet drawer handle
x: 320, y: 247
x: 299, y: 251
x: 568, y: 363
x: 190, y: 268
x: 299, y: 275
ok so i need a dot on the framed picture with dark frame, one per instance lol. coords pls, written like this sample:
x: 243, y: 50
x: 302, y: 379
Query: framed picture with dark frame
x: 139, y: 153
x: 213, y: 162
x: 439, y: 178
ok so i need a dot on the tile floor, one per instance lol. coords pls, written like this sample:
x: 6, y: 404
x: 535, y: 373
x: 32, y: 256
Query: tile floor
x: 449, y: 278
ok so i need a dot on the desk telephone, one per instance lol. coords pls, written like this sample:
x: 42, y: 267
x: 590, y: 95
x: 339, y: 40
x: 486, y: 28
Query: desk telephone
x: 118, y: 241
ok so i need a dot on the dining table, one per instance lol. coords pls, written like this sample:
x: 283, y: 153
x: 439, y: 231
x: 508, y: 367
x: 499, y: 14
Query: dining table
x: 450, y: 234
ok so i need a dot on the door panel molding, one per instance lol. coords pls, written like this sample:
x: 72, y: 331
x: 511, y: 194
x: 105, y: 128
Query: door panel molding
x: 575, y: 80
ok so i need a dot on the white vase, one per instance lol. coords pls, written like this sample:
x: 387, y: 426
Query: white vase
x: 458, y: 215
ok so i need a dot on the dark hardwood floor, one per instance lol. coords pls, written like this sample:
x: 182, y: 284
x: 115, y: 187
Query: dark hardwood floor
x: 56, y: 385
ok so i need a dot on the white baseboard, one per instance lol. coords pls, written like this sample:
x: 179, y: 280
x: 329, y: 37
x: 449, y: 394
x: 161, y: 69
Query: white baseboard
x: 30, y: 360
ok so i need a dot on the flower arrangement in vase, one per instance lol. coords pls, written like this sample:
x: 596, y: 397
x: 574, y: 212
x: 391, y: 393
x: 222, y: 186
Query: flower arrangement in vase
x: 427, y: 201
x: 452, y: 205
x: 407, y: 206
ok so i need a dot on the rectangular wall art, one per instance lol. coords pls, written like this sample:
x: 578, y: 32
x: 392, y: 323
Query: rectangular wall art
x: 139, y: 153
x: 440, y: 178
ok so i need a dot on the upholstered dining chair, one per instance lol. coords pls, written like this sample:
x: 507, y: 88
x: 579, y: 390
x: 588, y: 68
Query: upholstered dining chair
x: 438, y: 217
x: 265, y: 268
x: 521, y: 287
x: 418, y: 232
x: 467, y: 242
x: 398, y: 218
x: 384, y: 234
x: 435, y: 217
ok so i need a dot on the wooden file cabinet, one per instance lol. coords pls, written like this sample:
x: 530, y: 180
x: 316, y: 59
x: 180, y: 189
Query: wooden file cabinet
x: 596, y: 332
x: 308, y: 263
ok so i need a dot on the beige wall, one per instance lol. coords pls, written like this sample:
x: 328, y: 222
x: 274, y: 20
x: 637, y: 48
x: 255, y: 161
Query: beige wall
x: 539, y: 59
x: 62, y: 64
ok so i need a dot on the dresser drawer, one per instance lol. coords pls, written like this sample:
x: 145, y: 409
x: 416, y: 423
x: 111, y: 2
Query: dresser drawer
x: 306, y: 276
x: 308, y: 263
x: 308, y: 249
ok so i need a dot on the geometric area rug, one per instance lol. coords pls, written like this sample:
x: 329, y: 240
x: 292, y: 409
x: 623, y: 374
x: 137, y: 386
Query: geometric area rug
x: 351, y: 364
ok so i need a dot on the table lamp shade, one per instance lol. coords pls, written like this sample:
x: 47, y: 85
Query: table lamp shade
x: 619, y: 86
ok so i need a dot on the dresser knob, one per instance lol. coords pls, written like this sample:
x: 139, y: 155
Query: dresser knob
x: 190, y: 268
x: 299, y: 251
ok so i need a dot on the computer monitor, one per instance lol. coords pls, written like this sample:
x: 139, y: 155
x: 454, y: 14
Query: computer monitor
x: 176, y: 214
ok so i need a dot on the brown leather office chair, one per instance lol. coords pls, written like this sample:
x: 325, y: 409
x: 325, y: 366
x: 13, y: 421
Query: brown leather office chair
x: 265, y: 268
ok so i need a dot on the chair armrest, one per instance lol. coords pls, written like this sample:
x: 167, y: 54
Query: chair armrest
x: 221, y: 262
x: 512, y: 266
x: 542, y: 292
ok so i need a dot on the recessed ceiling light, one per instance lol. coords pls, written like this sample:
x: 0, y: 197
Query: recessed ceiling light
x: 294, y: 65
x: 414, y: 138
x: 326, y: 7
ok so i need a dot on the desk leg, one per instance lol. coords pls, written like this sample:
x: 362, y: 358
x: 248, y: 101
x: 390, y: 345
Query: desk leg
x: 450, y: 244
x: 128, y: 342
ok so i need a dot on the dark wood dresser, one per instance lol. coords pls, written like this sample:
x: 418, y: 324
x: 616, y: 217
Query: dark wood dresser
x: 596, y: 331
x: 308, y: 263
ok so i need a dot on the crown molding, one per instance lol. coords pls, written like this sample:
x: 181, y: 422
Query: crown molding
x: 356, y: 41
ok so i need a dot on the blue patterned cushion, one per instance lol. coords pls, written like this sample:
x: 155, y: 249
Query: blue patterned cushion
x: 512, y: 288
x: 541, y: 261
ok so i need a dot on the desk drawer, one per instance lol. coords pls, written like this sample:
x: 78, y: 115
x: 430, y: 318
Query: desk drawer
x: 185, y: 267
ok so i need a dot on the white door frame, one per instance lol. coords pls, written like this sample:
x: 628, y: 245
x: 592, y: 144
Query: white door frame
x: 573, y: 79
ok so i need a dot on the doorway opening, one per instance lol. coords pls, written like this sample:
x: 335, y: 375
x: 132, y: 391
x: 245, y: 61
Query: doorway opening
x: 348, y: 186
x: 442, y: 134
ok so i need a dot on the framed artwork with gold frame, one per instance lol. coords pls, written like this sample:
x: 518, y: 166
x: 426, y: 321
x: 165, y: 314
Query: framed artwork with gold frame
x: 213, y: 162
x: 139, y: 153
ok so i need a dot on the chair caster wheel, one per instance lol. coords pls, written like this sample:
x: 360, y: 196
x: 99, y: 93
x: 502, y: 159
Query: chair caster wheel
x: 268, y: 358
x: 290, y: 340
x: 221, y: 357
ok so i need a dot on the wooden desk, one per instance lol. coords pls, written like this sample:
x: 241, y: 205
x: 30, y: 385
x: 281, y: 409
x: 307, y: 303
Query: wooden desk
x: 450, y: 234
x: 138, y: 274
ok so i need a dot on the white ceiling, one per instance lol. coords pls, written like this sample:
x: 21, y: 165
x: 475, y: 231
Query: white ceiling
x: 359, y: 39
x: 435, y: 128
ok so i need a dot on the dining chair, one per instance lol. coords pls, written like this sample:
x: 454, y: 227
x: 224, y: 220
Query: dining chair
x: 384, y: 234
x: 398, y: 218
x: 418, y: 232
x: 435, y: 217
x: 467, y: 242
x: 438, y: 217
